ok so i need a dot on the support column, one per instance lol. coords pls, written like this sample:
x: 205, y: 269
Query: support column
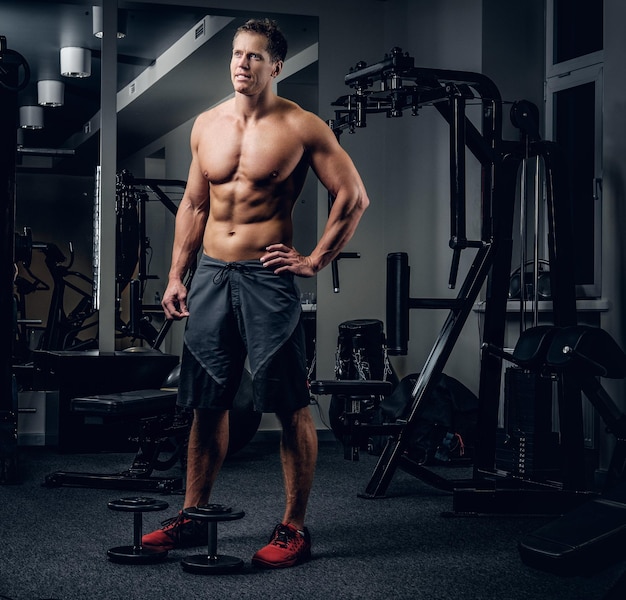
x: 108, y: 168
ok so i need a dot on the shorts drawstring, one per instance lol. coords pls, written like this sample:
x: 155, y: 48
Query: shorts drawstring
x: 218, y: 278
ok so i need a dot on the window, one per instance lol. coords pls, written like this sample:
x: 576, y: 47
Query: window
x: 574, y: 121
x: 577, y: 29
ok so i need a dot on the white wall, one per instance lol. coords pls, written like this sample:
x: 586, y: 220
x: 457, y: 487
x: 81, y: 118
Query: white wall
x: 417, y: 176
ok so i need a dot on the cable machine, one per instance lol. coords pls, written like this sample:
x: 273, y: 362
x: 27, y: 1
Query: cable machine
x: 402, y: 86
x: 133, y: 247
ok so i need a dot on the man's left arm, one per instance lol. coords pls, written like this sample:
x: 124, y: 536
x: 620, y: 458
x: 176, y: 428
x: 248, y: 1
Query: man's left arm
x: 336, y: 171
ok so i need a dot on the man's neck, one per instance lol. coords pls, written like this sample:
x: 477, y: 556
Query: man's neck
x: 254, y: 107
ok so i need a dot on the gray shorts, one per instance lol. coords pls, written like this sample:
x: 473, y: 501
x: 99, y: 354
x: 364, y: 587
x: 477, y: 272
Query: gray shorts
x: 236, y: 310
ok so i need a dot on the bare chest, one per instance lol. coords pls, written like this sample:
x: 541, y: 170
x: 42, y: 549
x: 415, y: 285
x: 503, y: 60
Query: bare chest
x: 258, y: 155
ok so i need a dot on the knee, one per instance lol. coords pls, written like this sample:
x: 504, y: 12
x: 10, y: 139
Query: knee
x: 290, y: 420
x: 209, y: 422
x: 298, y: 425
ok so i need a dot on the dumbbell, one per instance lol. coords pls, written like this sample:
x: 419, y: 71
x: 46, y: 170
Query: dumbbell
x: 212, y: 563
x: 136, y: 554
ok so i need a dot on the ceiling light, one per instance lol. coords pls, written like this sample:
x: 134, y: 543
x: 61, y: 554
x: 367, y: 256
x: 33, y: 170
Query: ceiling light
x: 98, y: 22
x: 31, y: 117
x: 75, y: 62
x: 50, y: 92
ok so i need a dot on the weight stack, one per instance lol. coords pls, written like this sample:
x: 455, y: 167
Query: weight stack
x: 527, y: 448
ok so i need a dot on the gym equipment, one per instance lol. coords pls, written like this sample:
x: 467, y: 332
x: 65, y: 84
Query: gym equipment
x: 132, y: 246
x: 136, y: 554
x: 11, y: 82
x: 23, y: 287
x: 361, y: 355
x: 76, y: 374
x: 62, y: 326
x: 539, y: 289
x: 403, y: 86
x: 162, y: 434
x: 593, y: 534
x: 212, y: 563
x: 159, y: 431
x: 531, y: 279
x: 528, y: 445
x: 362, y: 350
x: 132, y: 196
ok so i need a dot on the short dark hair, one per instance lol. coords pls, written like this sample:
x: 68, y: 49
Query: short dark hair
x: 276, y: 42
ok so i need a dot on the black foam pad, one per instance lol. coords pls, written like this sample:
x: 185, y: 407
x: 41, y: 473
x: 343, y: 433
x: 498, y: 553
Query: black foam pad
x: 532, y: 346
x: 592, y: 349
x: 140, y: 402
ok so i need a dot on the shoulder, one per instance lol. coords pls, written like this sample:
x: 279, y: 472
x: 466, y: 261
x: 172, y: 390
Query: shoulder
x: 211, y: 115
x: 311, y: 129
x: 207, y: 119
x: 296, y: 114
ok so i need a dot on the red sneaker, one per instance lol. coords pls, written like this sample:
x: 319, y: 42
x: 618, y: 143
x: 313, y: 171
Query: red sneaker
x: 177, y: 532
x: 287, y: 547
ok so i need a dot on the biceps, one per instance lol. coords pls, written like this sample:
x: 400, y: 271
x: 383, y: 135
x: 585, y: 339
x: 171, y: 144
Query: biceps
x: 197, y: 189
x: 336, y: 171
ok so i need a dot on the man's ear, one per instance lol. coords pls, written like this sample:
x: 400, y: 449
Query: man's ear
x: 278, y: 67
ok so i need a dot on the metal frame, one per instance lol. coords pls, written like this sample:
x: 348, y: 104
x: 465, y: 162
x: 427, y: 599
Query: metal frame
x: 131, y: 199
x: 406, y: 87
x: 569, y: 79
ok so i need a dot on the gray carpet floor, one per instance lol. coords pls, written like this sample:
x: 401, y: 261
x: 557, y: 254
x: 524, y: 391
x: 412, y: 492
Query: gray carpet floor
x: 53, y: 541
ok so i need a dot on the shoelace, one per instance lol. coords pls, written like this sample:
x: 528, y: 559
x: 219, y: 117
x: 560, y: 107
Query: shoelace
x: 171, y: 522
x: 227, y: 268
x: 283, y: 537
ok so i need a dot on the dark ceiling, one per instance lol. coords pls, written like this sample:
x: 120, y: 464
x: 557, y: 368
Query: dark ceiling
x: 38, y: 29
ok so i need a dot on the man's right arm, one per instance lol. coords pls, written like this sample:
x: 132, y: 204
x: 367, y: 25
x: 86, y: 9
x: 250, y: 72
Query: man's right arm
x: 191, y: 218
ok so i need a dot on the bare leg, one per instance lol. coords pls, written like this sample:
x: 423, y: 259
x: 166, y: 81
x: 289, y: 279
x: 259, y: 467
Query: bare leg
x: 208, y: 444
x: 298, y: 451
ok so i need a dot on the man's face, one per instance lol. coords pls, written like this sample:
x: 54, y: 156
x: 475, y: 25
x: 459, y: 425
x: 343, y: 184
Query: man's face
x: 251, y: 68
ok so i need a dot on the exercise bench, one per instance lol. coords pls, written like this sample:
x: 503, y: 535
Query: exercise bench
x: 159, y: 429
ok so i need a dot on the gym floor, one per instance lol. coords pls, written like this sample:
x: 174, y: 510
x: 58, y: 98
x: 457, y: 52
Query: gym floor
x: 55, y: 539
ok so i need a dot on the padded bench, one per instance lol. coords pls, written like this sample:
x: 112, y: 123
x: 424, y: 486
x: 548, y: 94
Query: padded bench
x: 136, y: 404
x: 158, y: 429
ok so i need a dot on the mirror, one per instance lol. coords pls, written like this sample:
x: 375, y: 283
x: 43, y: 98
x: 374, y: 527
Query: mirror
x: 181, y: 77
